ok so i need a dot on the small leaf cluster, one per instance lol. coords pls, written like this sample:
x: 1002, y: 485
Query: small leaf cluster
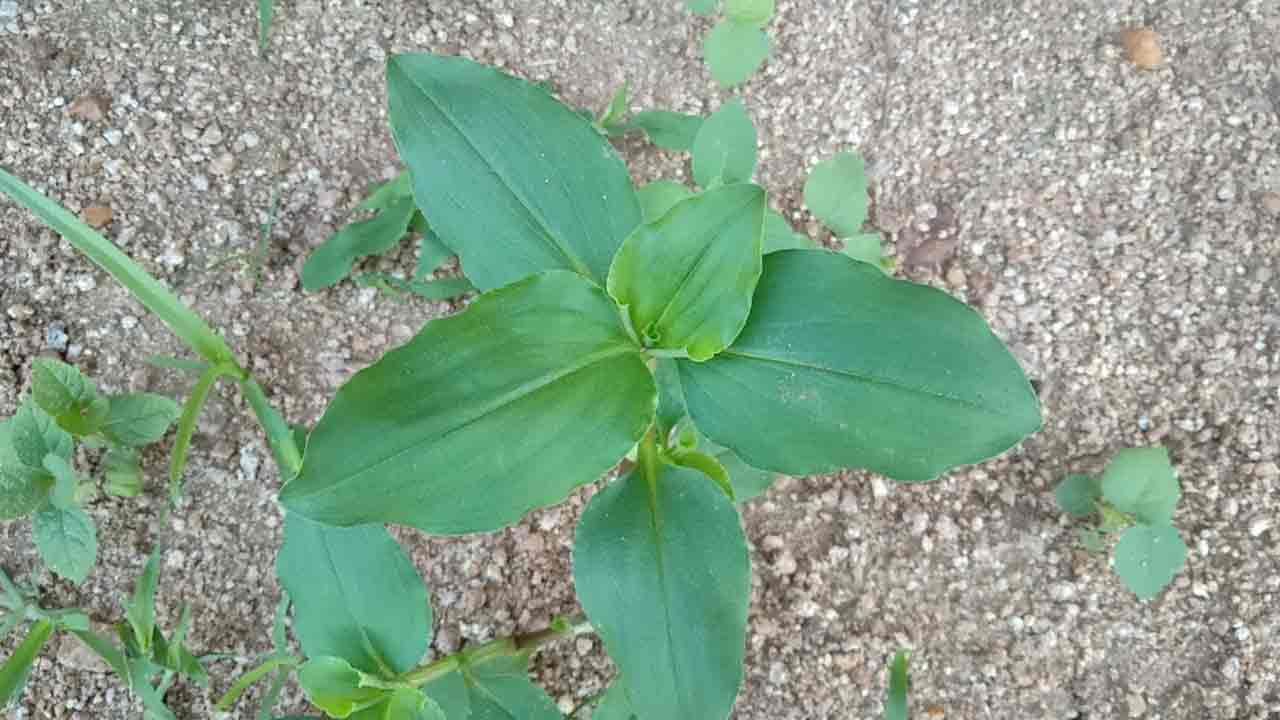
x: 1135, y: 498
x: 37, y: 455
x: 737, y: 45
x: 147, y: 659
x: 395, y: 216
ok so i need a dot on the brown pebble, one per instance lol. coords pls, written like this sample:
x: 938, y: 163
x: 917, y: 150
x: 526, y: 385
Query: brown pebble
x: 98, y: 216
x: 1271, y: 202
x: 90, y: 108
x: 1142, y: 47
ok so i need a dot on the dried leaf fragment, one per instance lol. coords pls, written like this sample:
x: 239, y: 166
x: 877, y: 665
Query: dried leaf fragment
x: 1142, y: 47
x: 90, y: 108
x: 98, y: 216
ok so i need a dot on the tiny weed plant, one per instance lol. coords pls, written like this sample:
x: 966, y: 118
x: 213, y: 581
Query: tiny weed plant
x: 895, y: 702
x: 738, y: 45
x: 687, y: 335
x: 1135, y: 498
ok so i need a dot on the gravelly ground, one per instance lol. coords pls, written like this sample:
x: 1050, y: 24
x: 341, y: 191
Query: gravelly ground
x: 1121, y: 229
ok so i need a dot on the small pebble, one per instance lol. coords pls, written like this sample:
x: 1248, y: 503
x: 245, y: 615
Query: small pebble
x: 1142, y: 47
x: 56, y: 336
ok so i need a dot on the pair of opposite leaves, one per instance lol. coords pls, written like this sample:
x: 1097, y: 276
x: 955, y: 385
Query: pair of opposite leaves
x: 538, y: 387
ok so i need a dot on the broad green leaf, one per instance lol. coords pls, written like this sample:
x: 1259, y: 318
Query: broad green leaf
x: 707, y: 465
x: 406, y: 704
x: 659, y: 196
x: 839, y: 366
x: 668, y: 130
x: 661, y: 568
x: 868, y: 248
x: 67, y: 541
x: 515, y: 181
x: 333, y: 260
x: 23, y: 489
x: 779, y: 235
x: 140, y: 612
x: 1142, y: 482
x: 1078, y: 495
x: 686, y: 279
x: 724, y: 150
x: 14, y: 672
x: 33, y: 434
x: 615, y: 704
x: 123, y: 471
x: 895, y: 703
x: 548, y: 368
x: 836, y: 193
x: 702, y: 7
x: 613, y: 119
x: 750, y: 12
x: 734, y: 51
x: 337, y: 688
x: 139, y: 419
x: 451, y: 694
x: 500, y: 689
x: 1149, y: 557
x: 64, y: 393
x: 65, y: 482
x: 671, y: 408
x: 356, y: 595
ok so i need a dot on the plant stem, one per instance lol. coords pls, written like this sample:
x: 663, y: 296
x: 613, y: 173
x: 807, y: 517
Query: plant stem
x: 184, y: 323
x: 502, y: 647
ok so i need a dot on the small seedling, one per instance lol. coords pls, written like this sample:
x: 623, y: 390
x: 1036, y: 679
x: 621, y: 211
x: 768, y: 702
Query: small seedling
x: 612, y: 323
x: 266, y: 12
x: 895, y: 702
x: 738, y: 45
x: 836, y: 193
x: 1135, y: 498
x: 38, y: 449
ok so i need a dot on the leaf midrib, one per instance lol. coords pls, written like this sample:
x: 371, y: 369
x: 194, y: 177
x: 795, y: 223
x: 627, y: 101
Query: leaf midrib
x: 652, y: 477
x: 501, y: 401
x: 869, y: 379
x: 574, y: 261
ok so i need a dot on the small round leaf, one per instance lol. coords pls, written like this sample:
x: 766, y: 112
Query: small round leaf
x: 1148, y: 557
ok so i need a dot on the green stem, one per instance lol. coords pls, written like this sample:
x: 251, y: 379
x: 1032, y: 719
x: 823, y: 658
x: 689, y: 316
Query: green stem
x: 246, y: 681
x: 158, y: 299
x: 502, y: 647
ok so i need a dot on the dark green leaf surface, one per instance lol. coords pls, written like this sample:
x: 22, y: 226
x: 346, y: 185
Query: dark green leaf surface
x: 123, y: 472
x: 356, y: 595
x: 748, y: 482
x: 839, y: 366
x: 64, y: 393
x: 65, y: 482
x: 895, y: 704
x: 779, y: 235
x: 724, y: 151
x: 836, y: 194
x: 513, y: 180
x: 139, y: 419
x: 661, y: 568
x: 1149, y: 557
x: 22, y: 488
x: 686, y: 280
x: 668, y: 130
x: 734, y: 51
x: 659, y: 196
x: 15, y: 670
x: 67, y: 541
x: 333, y: 260
x: 1078, y: 495
x: 337, y: 688
x: 266, y: 11
x: 500, y: 689
x: 1142, y: 482
x: 33, y: 434
x: 543, y: 364
x: 451, y: 694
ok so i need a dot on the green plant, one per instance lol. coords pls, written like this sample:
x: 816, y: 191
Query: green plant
x: 266, y: 12
x: 895, y: 702
x: 738, y: 45
x: 37, y: 455
x: 1135, y: 498
x: 611, y: 323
